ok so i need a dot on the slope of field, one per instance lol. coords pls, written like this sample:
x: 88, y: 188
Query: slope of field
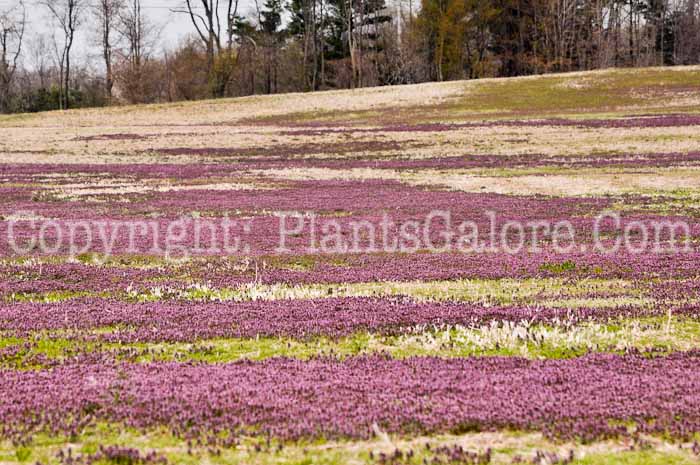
x: 133, y: 329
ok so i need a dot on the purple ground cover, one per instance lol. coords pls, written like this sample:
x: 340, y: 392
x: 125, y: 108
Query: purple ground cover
x: 40, y: 279
x: 357, y: 197
x: 273, y: 159
x: 299, y: 319
x: 661, y: 121
x: 588, y: 397
x: 341, y: 202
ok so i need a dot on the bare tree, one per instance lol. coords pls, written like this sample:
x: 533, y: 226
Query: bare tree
x: 106, y: 14
x: 139, y: 37
x: 687, y: 46
x: 39, y: 58
x: 12, y: 25
x: 206, y: 19
x: 68, y: 15
x: 136, y: 30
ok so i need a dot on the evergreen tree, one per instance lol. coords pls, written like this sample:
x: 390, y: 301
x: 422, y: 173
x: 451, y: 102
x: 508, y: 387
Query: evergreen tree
x: 270, y: 23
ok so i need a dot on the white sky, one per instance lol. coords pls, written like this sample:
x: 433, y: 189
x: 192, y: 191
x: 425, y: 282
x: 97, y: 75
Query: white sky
x: 173, y: 26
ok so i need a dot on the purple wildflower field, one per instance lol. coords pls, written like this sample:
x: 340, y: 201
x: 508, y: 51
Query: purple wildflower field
x: 405, y: 284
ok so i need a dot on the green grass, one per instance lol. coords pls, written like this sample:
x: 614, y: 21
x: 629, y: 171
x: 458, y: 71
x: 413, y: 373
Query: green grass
x: 556, y: 291
x: 601, y: 94
x: 660, y: 335
x: 685, y: 202
x: 602, y: 91
x: 51, y: 296
x: 645, y: 457
x: 31, y: 353
x: 486, y: 291
x: 505, y: 446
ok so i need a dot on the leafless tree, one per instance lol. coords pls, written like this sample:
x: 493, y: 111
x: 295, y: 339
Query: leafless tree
x: 68, y: 15
x: 687, y: 47
x: 137, y: 32
x: 39, y: 58
x: 206, y: 19
x: 139, y: 36
x: 12, y: 26
x: 106, y: 14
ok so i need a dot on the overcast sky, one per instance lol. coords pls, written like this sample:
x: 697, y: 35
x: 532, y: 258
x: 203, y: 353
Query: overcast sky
x: 173, y: 26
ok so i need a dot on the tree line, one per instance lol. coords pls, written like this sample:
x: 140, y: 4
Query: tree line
x: 305, y: 45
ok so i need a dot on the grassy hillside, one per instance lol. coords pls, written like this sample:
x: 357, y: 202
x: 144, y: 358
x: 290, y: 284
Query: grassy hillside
x: 114, y: 351
x: 368, y: 121
x: 624, y: 91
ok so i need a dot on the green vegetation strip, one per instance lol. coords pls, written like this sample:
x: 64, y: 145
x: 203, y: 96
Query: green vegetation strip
x: 602, y: 94
x: 505, y: 447
x: 547, y: 292
x: 660, y: 335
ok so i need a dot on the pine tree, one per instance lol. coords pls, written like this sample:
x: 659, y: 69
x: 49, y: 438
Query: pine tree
x: 270, y: 22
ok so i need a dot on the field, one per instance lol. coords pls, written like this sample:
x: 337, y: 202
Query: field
x: 230, y: 281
